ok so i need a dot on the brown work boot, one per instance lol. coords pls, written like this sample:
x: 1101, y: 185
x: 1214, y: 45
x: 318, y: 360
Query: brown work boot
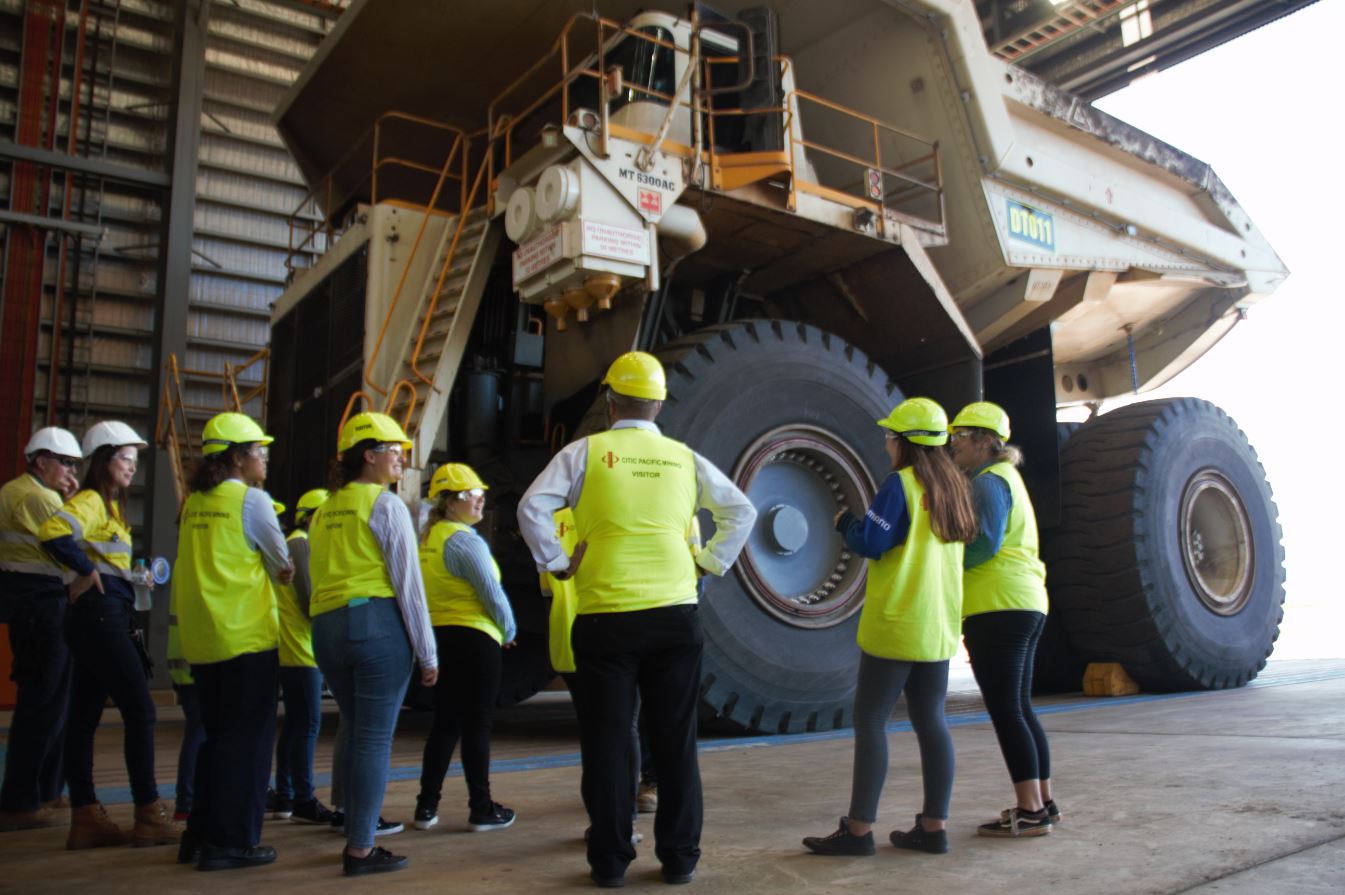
x: 90, y: 827
x: 154, y: 826
x: 10, y: 821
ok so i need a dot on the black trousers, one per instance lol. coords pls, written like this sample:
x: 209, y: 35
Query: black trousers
x: 653, y: 655
x: 107, y: 663
x: 1001, y: 646
x: 238, y: 711
x: 34, y: 772
x: 464, y: 704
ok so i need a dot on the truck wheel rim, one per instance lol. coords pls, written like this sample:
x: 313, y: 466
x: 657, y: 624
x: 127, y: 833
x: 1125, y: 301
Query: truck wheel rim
x: 795, y: 565
x: 1217, y: 547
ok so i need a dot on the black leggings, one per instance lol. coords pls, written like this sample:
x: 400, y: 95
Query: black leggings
x: 464, y: 704
x: 1001, y: 646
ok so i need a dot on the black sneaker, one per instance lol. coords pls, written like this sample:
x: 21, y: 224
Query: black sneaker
x: 920, y: 839
x: 1015, y: 823
x: 215, y: 857
x: 188, y: 849
x: 278, y: 808
x: 841, y: 842
x: 496, y: 817
x: 1053, y: 811
x: 311, y: 812
x: 338, y: 821
x: 427, y: 813
x: 380, y: 860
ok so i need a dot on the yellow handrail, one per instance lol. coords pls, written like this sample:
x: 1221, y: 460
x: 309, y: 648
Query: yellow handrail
x: 406, y: 268
x: 410, y: 405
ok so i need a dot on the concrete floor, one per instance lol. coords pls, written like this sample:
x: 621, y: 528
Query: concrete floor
x: 1233, y: 792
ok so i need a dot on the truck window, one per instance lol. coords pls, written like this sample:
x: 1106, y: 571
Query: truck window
x: 645, y: 65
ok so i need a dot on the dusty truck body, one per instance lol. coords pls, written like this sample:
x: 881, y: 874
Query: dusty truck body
x: 808, y: 216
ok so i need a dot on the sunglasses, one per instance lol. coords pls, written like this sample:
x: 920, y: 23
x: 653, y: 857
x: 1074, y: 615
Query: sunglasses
x: 471, y: 492
x: 388, y: 448
x: 67, y: 462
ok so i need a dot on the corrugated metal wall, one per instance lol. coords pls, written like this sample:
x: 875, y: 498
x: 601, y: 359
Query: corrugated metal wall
x: 247, y: 186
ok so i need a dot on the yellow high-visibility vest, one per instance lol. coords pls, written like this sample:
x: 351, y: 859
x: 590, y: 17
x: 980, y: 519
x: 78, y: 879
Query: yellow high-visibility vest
x: 453, y: 600
x: 225, y: 604
x: 1014, y: 578
x: 25, y: 503
x: 104, y: 537
x: 913, y: 599
x: 345, y: 560
x: 564, y: 599
x: 179, y: 669
x: 296, y: 631
x: 635, y: 511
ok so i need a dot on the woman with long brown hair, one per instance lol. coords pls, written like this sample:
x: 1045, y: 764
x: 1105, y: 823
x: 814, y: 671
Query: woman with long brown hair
x: 91, y: 536
x: 913, y: 535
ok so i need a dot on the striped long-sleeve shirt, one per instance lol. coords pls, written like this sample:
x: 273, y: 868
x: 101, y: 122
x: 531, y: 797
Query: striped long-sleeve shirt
x: 390, y: 522
x: 467, y: 556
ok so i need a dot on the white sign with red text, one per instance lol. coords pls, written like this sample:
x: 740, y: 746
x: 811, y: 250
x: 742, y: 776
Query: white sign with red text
x: 537, y: 254
x: 621, y: 243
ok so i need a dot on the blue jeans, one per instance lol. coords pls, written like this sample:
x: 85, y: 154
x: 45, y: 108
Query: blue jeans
x: 301, y: 690
x: 364, y: 653
x: 193, y: 735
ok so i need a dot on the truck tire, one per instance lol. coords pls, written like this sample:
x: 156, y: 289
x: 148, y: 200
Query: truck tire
x: 1057, y: 666
x: 788, y: 412
x: 1168, y: 559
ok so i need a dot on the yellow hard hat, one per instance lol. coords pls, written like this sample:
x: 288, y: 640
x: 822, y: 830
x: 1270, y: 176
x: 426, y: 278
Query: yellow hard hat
x: 311, y: 500
x: 455, y: 477
x: 983, y: 415
x: 376, y: 426
x: 919, y: 420
x: 228, y: 429
x: 278, y: 506
x: 637, y: 375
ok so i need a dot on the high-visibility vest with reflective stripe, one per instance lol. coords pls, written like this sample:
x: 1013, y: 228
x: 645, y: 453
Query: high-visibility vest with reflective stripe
x: 25, y: 503
x: 179, y: 669
x: 453, y: 600
x: 104, y: 537
x: 345, y: 560
x: 564, y: 600
x: 1014, y: 578
x: 296, y: 631
x: 634, y: 511
x: 913, y: 600
x: 225, y: 604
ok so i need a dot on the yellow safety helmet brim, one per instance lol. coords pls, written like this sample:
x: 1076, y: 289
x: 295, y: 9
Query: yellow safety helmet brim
x: 224, y: 430
x: 372, y: 426
x: 918, y: 420
x: 983, y: 415
x: 311, y: 500
x: 455, y: 477
x: 636, y: 374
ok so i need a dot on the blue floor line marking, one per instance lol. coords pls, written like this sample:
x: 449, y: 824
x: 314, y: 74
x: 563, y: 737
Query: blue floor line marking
x: 122, y: 795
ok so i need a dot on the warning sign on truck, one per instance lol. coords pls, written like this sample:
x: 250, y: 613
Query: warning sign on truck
x: 621, y: 243
x: 537, y: 254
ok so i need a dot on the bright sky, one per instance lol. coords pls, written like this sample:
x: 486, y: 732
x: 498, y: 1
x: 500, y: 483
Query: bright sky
x: 1259, y: 110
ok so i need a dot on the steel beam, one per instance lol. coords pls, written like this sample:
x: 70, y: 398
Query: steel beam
x: 173, y: 285
x: 95, y: 166
x: 48, y: 223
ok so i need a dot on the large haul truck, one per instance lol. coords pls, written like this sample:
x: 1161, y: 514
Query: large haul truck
x: 807, y: 215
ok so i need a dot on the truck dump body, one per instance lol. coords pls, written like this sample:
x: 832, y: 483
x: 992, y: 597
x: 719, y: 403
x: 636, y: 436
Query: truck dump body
x: 806, y: 218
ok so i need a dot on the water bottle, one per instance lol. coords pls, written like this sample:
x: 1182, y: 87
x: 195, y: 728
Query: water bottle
x: 142, y: 580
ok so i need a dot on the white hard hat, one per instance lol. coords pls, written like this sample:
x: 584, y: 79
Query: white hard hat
x: 55, y: 440
x: 113, y: 432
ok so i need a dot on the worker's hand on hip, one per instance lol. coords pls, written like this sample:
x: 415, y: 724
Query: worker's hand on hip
x: 429, y: 677
x: 576, y: 558
x: 81, y: 585
x: 511, y: 644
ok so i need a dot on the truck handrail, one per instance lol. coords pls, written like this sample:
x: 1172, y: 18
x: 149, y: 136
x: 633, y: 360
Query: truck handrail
x: 323, y: 219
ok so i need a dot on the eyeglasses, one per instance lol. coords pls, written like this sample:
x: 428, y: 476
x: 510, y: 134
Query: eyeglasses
x: 388, y: 447
x: 67, y: 462
x: 128, y: 459
x: 261, y: 452
x: 960, y: 435
x: 471, y: 492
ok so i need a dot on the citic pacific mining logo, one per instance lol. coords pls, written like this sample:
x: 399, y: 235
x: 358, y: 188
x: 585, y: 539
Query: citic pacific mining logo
x: 611, y: 459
